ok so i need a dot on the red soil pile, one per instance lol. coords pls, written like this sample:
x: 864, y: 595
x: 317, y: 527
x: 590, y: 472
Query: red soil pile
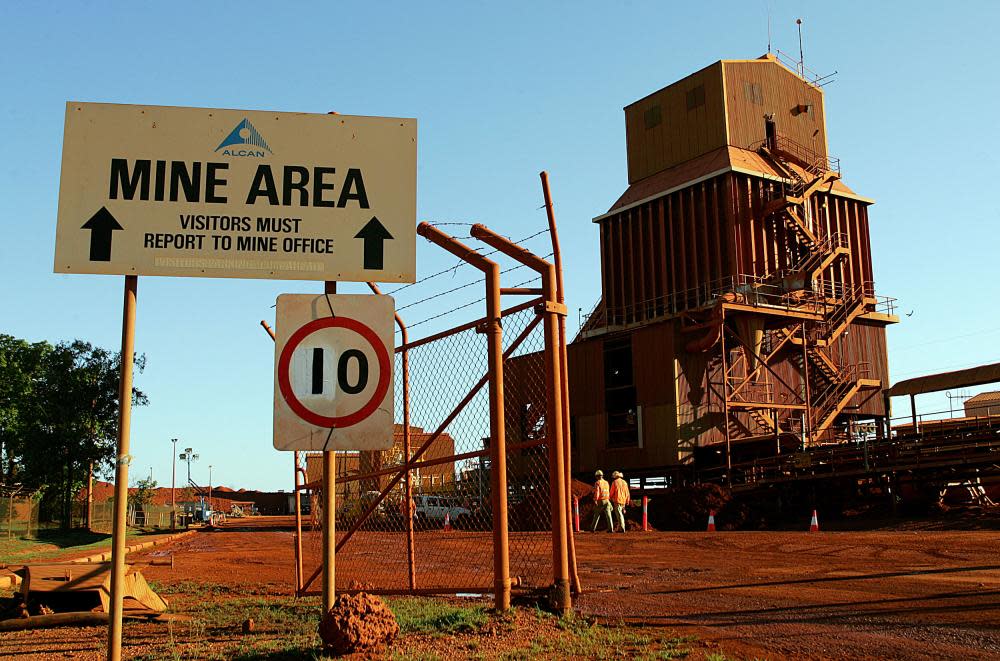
x: 357, y: 623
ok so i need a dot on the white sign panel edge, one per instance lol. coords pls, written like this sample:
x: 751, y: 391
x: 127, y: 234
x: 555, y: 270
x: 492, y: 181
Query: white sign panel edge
x: 202, y: 192
x: 320, y: 362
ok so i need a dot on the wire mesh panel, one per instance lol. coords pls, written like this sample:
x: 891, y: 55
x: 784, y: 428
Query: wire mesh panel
x: 18, y: 516
x: 102, y: 516
x: 449, y: 511
x: 528, y: 509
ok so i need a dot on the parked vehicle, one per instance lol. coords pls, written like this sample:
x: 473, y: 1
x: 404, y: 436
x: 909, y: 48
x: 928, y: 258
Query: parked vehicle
x: 352, y: 509
x: 431, y: 511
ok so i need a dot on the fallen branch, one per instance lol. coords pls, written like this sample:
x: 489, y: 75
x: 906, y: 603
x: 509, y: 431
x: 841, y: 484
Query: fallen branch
x: 55, y: 620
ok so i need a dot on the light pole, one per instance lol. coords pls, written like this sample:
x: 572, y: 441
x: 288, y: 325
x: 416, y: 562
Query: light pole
x: 188, y: 456
x: 173, y: 479
x: 210, y: 508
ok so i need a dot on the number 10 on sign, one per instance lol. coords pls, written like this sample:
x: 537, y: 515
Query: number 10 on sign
x: 333, y: 372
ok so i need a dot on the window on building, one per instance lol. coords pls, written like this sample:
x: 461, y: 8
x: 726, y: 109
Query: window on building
x: 619, y: 394
x: 653, y: 117
x: 804, y: 109
x: 696, y: 97
x: 753, y: 93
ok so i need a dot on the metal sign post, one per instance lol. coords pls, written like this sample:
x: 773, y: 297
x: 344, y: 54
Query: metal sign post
x: 121, y: 470
x: 203, y: 192
x: 333, y: 387
x: 329, y: 530
x: 329, y: 513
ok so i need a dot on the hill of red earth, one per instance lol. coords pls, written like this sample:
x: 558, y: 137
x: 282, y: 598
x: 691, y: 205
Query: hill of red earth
x: 222, y: 496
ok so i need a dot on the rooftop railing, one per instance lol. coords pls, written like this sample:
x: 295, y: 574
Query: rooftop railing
x: 824, y: 298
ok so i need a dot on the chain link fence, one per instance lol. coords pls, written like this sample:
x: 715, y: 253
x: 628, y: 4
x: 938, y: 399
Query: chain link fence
x: 18, y: 515
x: 450, y: 480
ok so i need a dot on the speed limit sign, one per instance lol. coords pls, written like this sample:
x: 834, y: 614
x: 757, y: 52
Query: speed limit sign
x: 333, y: 372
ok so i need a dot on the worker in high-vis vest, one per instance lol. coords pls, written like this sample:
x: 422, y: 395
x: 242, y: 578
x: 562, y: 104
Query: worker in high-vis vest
x: 619, y: 499
x: 602, y: 501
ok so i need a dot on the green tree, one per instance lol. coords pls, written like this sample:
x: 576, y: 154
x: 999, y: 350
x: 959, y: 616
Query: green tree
x: 21, y: 364
x: 141, y: 496
x: 60, y: 416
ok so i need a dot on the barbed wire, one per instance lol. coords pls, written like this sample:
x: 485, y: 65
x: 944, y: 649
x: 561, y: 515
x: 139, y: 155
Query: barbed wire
x: 460, y: 287
x: 454, y: 268
x: 463, y: 306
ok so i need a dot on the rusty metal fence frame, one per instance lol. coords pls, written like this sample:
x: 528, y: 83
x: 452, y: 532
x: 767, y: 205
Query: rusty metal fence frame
x: 549, y: 311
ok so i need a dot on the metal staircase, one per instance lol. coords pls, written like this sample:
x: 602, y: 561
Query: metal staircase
x: 833, y: 385
x: 823, y: 255
x: 848, y: 307
x: 849, y: 381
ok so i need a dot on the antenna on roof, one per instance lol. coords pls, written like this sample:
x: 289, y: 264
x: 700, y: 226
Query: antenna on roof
x: 802, y: 59
x: 768, y: 5
x: 810, y: 77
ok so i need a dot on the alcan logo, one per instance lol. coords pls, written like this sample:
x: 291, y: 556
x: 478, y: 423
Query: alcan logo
x: 245, y: 135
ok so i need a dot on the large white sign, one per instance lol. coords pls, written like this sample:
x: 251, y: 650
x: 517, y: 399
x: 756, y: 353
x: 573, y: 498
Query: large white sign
x: 333, y: 372
x: 152, y: 190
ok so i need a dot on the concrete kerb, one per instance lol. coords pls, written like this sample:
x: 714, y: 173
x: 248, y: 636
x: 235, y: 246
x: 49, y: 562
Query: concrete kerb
x: 12, y: 581
x: 134, y: 548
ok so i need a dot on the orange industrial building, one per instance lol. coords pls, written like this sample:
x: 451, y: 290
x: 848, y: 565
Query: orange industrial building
x: 738, y: 316
x: 352, y: 463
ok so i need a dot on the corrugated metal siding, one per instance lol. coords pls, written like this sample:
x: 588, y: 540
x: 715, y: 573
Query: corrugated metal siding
x: 699, y: 400
x: 652, y: 358
x: 586, y: 377
x: 780, y: 94
x: 655, y: 254
x: 652, y: 361
x: 836, y: 215
x: 865, y: 343
x: 681, y: 133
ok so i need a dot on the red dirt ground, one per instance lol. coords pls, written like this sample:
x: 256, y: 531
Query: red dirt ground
x: 903, y: 595
x: 914, y: 595
x: 846, y: 595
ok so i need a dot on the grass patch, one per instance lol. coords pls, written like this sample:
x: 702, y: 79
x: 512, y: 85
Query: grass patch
x: 286, y: 628
x: 416, y: 615
x: 581, y: 637
x: 53, y: 543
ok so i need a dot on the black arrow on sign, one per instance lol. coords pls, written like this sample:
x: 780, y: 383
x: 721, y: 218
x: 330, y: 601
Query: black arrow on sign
x: 374, y: 233
x: 101, y: 225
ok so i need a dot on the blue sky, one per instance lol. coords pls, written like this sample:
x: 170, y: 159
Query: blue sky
x: 501, y: 91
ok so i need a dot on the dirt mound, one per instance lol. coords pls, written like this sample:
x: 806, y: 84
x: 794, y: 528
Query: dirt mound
x: 357, y: 623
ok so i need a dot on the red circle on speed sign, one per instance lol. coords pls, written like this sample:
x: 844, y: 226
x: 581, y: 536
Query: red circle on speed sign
x: 285, y: 384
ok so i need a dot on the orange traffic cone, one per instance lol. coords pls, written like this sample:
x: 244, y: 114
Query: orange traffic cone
x: 711, y: 521
x: 814, y: 523
x: 447, y: 521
